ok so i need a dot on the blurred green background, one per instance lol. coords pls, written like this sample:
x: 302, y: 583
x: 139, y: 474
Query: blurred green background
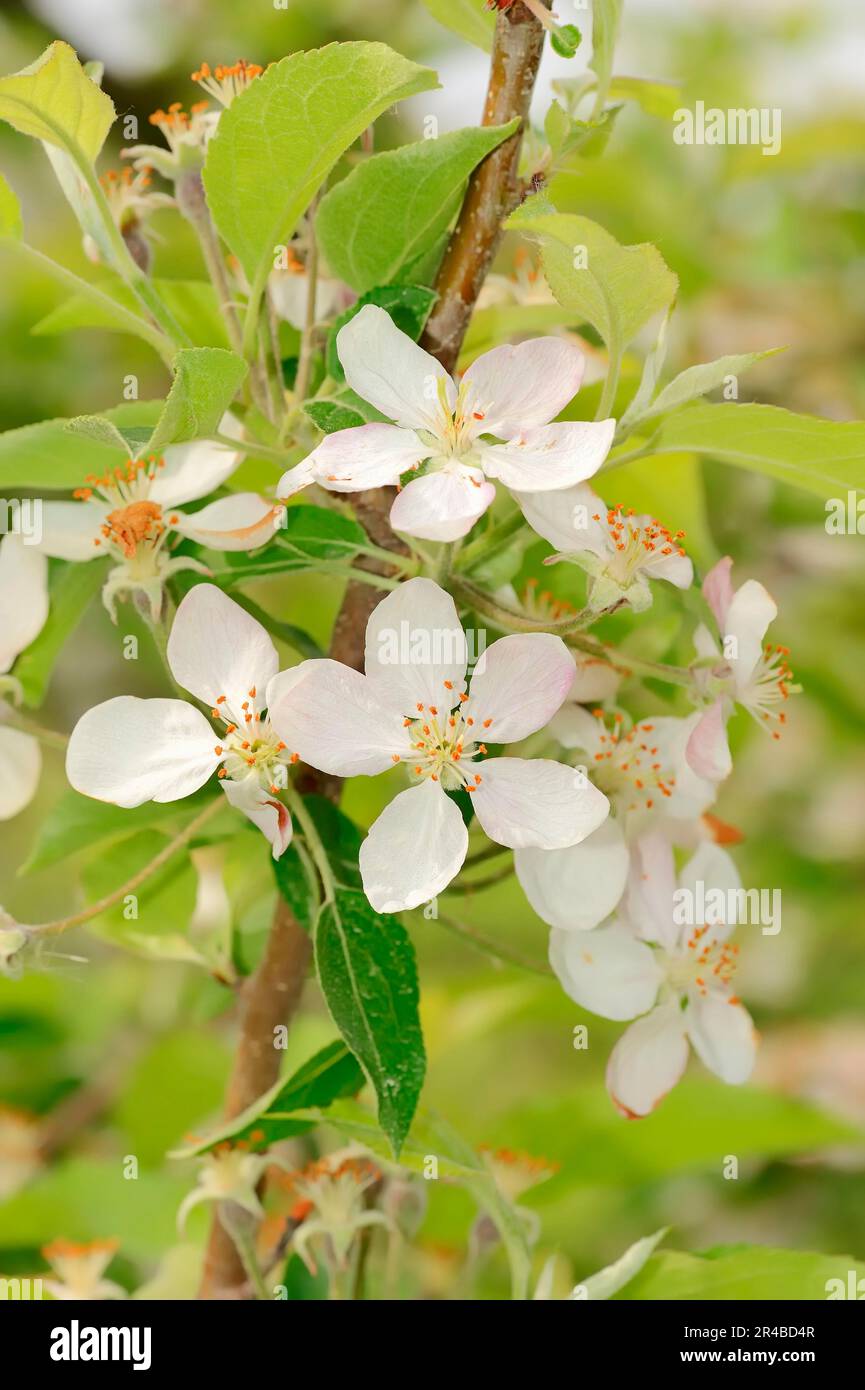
x: 770, y: 252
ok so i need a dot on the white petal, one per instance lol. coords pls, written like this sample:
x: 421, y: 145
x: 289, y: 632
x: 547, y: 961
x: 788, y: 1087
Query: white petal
x: 718, y: 590
x: 707, y: 749
x: 711, y: 870
x: 365, y: 456
x: 606, y: 971
x: 566, y: 519
x: 388, y: 369
x: 333, y: 717
x: 649, y: 903
x: 751, y: 611
x: 519, y: 387
x: 215, y: 649
x: 20, y: 766
x: 690, y: 795
x: 414, y: 849
x: 552, y: 457
x: 295, y: 479
x: 576, y: 888
x: 242, y: 521
x: 128, y: 751
x: 723, y: 1036
x: 415, y: 645
x: 647, y: 1061
x: 675, y: 569
x: 23, y: 597
x: 595, y: 680
x: 575, y: 727
x: 442, y: 506
x: 518, y: 684
x: 267, y: 812
x: 524, y: 802
x: 193, y: 470
x: 70, y: 529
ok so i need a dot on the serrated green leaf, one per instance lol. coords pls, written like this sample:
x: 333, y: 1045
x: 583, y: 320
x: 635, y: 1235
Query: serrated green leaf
x: 205, y: 383
x: 48, y: 455
x: 826, y: 457
x: 750, y: 1272
x: 615, y: 288
x: 331, y: 1074
x: 54, y: 100
x: 193, y: 304
x: 469, y: 18
x: 330, y: 416
x: 368, y: 975
x: 98, y: 429
x: 279, y: 139
x: 408, y: 306
x: 10, y: 213
x: 394, y: 206
x: 72, y: 587
x: 77, y: 823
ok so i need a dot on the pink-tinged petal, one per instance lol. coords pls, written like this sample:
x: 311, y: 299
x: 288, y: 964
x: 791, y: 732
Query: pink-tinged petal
x: 416, y: 648
x: 595, y: 680
x: 296, y: 479
x: 550, y: 458
x: 518, y: 387
x: 718, y: 590
x: 20, y: 766
x: 607, y: 971
x: 219, y: 653
x: 365, y: 456
x: 414, y: 849
x: 649, y: 902
x: 267, y: 812
x: 751, y: 611
x: 388, y: 369
x: 723, y: 1036
x: 23, y: 597
x: 577, y: 888
x: 335, y: 720
x: 711, y: 870
x: 675, y: 569
x: 647, y: 1061
x: 128, y: 751
x: 707, y: 749
x: 242, y: 521
x: 70, y: 530
x: 688, y: 795
x: 442, y: 506
x: 518, y: 684
x: 193, y: 470
x: 567, y: 519
x: 535, y: 802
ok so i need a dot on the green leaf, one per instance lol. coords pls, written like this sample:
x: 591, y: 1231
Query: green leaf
x: 747, y: 1272
x: 615, y: 288
x: 661, y: 99
x: 98, y: 429
x: 469, y: 18
x: 390, y: 209
x: 76, y: 823
x: 10, y: 213
x: 408, y: 306
x: 342, y: 839
x: 565, y: 40
x: 825, y: 457
x: 72, y: 586
x: 279, y: 139
x: 193, y: 304
x: 697, y: 381
x: 205, y: 383
x: 49, y: 455
x: 328, y: 1076
x: 316, y: 533
x: 606, y: 17
x: 367, y: 970
x: 54, y: 100
x: 330, y: 416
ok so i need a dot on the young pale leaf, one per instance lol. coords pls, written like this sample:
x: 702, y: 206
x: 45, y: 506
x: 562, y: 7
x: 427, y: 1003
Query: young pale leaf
x: 192, y: 303
x: 205, y: 383
x: 393, y: 207
x: 614, y: 1277
x: 51, y: 456
x: 606, y: 17
x: 469, y: 18
x: 408, y: 306
x: 279, y: 139
x: 615, y: 288
x: 822, y: 456
x: 99, y: 429
x: 330, y: 1075
x: 660, y: 99
x: 10, y: 213
x: 54, y: 100
x: 367, y: 970
x: 72, y: 588
x: 697, y: 381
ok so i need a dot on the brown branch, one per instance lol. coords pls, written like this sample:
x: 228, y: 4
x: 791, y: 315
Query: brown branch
x: 271, y: 994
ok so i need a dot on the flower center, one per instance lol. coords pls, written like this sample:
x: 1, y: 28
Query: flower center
x: 704, y: 964
x: 635, y: 546
x: 628, y: 767
x: 770, y: 686
x: 225, y: 83
x: 250, y: 746
x: 443, y: 742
